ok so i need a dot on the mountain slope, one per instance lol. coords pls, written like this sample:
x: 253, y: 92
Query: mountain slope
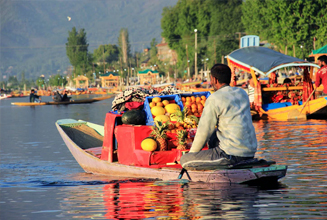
x: 34, y: 33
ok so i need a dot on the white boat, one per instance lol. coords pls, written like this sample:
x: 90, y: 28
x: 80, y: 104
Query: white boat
x: 4, y: 96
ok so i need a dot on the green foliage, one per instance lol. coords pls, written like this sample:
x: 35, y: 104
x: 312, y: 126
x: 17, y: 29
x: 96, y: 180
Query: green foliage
x: 57, y: 80
x: 216, y: 23
x: 77, y: 49
x: 40, y: 82
x: 153, y: 49
x: 106, y: 53
x: 287, y: 23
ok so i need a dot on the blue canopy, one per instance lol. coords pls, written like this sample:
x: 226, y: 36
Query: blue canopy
x: 264, y: 60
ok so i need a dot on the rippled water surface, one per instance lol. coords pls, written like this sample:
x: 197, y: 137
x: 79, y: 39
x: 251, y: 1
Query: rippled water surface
x: 39, y: 178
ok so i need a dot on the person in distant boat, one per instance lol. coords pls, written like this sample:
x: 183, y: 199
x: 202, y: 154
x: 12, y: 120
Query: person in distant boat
x: 226, y: 124
x: 65, y: 97
x: 34, y: 97
x: 57, y: 97
x: 321, y: 76
x: 251, y: 91
x: 273, y: 79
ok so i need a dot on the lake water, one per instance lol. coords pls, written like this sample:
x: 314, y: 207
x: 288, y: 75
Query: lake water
x: 39, y: 178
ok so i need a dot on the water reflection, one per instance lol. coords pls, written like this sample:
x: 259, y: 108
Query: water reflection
x: 41, y: 180
x: 139, y: 200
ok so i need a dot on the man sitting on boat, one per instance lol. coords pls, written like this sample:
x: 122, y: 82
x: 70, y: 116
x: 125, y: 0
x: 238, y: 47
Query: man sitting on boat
x: 226, y: 124
x: 57, y: 97
x: 34, y: 97
x: 65, y: 97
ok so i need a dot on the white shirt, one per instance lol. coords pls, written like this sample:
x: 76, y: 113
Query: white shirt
x: 229, y: 109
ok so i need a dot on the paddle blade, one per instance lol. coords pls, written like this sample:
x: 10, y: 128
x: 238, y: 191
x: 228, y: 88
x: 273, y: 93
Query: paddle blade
x: 296, y: 115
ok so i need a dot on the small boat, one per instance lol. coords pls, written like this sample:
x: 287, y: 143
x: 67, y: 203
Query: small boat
x: 93, y: 146
x: 79, y: 101
x: 4, y: 96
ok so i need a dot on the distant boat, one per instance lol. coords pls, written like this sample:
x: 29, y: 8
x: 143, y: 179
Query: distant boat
x: 79, y: 101
x: 85, y: 140
x: 4, y: 96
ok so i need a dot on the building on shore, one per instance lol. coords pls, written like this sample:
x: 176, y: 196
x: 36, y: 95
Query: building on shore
x: 81, y: 82
x: 166, y: 54
x: 109, y: 79
x: 148, y: 77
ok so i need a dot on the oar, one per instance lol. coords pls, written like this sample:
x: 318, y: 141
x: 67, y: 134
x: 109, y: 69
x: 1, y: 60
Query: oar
x: 182, y: 173
x: 296, y: 114
x: 308, y: 99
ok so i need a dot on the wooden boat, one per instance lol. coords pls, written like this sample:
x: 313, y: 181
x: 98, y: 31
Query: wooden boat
x: 92, y: 146
x: 79, y: 101
x: 4, y: 96
x: 264, y: 61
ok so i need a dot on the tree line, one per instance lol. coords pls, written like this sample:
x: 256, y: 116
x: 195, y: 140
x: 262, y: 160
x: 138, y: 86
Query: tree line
x: 292, y: 27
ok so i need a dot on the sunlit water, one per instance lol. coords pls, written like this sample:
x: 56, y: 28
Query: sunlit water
x: 39, y: 178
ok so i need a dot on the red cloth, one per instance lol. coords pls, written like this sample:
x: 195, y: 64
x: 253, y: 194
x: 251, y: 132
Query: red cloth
x: 257, y: 96
x: 134, y: 105
x: 321, y: 78
x: 307, y: 86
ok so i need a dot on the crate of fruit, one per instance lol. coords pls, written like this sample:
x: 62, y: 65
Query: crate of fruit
x: 160, y: 107
x: 194, y: 102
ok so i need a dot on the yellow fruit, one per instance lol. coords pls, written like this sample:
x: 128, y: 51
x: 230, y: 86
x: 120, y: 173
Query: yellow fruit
x: 165, y: 102
x: 152, y: 104
x: 149, y: 144
x: 162, y: 118
x: 160, y: 104
x: 156, y: 99
x: 172, y: 108
x: 157, y: 110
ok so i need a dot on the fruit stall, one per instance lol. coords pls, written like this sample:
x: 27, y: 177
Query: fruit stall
x: 156, y: 132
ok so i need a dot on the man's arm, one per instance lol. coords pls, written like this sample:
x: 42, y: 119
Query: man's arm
x: 206, y: 126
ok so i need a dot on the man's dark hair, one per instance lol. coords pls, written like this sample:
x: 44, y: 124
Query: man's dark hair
x: 222, y: 73
x: 323, y: 58
x: 32, y: 90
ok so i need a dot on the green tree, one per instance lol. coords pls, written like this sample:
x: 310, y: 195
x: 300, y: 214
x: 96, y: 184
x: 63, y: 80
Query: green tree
x: 40, y: 82
x: 216, y: 23
x: 287, y: 23
x: 13, y: 82
x: 77, y: 49
x: 106, y: 56
x: 124, y: 46
x: 57, y: 80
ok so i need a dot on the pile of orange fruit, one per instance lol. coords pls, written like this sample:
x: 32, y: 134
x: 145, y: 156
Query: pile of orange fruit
x: 194, y: 104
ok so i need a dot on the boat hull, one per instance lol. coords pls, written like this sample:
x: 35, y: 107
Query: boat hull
x: 81, y: 101
x: 92, y: 164
x: 312, y: 107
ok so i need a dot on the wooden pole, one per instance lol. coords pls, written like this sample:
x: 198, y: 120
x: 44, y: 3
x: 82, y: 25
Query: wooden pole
x: 196, y: 54
x: 188, y: 65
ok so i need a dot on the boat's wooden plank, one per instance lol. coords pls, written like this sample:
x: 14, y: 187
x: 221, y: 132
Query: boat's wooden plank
x: 270, y: 89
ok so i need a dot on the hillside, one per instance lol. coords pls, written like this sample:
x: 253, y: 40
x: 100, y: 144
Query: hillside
x: 34, y: 33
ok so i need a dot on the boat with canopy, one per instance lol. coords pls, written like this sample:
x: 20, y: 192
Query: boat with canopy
x: 285, y: 101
